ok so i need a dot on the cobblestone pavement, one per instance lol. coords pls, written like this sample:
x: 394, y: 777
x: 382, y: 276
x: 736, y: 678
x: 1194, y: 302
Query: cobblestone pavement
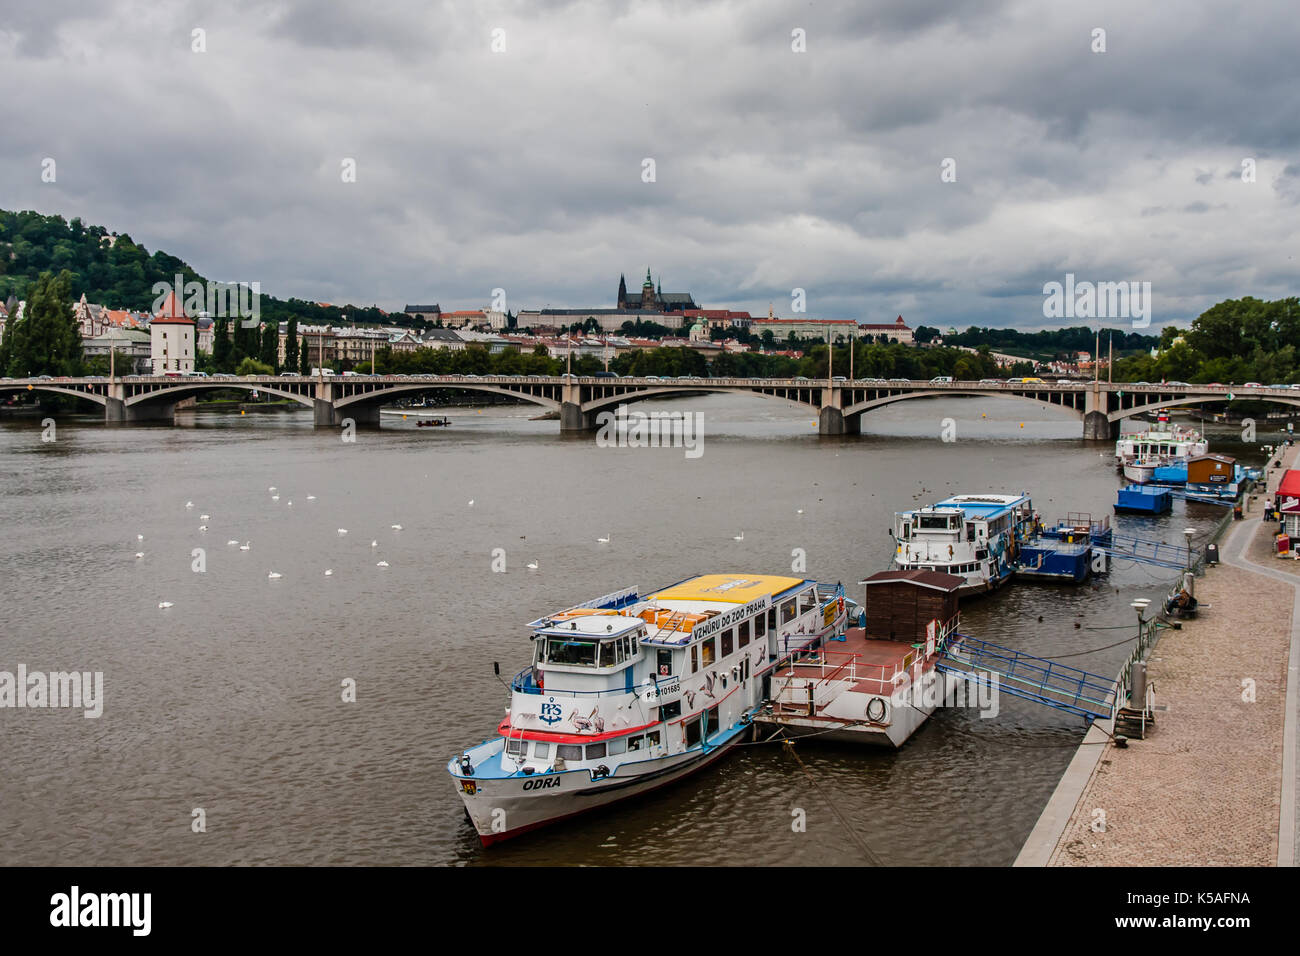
x: 1204, y: 787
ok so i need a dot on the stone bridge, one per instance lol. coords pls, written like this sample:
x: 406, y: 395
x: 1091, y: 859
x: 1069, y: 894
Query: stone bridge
x: 839, y: 404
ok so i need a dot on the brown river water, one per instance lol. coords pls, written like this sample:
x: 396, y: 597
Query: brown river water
x: 231, y: 699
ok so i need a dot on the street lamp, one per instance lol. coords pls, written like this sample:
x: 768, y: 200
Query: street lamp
x: 1188, y: 532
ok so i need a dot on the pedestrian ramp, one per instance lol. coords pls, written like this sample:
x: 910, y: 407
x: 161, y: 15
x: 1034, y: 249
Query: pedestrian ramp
x: 1030, y: 678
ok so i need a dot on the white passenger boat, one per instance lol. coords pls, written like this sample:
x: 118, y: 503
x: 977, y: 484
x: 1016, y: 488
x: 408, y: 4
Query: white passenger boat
x: 627, y: 693
x: 1142, y: 470
x: 976, y: 537
x: 1161, y: 441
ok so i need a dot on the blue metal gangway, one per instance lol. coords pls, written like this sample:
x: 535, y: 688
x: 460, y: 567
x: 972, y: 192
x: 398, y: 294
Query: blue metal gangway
x: 1030, y: 678
x: 1130, y: 547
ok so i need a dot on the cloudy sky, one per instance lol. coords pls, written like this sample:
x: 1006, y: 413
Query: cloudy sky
x: 523, y: 167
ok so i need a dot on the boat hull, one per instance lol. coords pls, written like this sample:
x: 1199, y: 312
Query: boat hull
x: 505, y: 807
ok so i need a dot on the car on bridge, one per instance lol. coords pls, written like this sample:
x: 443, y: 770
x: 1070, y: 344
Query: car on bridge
x: 1252, y: 385
x: 990, y: 381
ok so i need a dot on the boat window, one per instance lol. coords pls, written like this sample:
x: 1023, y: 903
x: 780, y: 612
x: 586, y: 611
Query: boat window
x: 695, y: 658
x: 595, y: 751
x: 744, y: 633
x: 771, y: 617
x: 707, y: 652
x: 787, y: 611
x: 670, y: 710
x: 692, y: 732
x: 760, y: 625
x: 665, y: 660
x: 617, y: 746
x: 970, y: 532
x: 516, y: 747
x: 541, y: 749
x: 568, y: 751
x: 562, y: 650
x: 712, y: 714
x: 904, y: 531
x: 807, y: 601
x: 634, y: 743
x: 727, y: 637
x: 652, y: 739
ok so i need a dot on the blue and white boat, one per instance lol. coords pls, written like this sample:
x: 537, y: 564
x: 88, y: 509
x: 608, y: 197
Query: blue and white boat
x: 976, y: 537
x: 629, y: 692
x: 1144, y: 500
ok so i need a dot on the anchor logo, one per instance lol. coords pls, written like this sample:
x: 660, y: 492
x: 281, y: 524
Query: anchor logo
x: 550, y: 711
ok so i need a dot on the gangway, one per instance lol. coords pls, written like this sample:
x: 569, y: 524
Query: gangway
x: 1030, y: 678
x: 1162, y: 554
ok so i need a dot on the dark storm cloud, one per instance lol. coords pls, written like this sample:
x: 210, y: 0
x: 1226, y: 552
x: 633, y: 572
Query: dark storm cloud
x: 775, y: 170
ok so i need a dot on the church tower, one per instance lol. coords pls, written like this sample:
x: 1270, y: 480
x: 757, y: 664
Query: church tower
x: 648, y: 293
x: 621, y: 301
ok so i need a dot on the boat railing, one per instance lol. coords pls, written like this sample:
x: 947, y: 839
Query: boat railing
x: 526, y: 683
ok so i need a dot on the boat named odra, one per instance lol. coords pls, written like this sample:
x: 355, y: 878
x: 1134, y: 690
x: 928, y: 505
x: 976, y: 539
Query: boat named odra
x: 627, y: 693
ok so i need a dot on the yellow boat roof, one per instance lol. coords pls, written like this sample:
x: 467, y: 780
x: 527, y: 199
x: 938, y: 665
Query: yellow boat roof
x: 727, y: 588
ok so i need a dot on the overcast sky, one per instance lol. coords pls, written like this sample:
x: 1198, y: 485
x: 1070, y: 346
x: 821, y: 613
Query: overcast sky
x: 774, y: 169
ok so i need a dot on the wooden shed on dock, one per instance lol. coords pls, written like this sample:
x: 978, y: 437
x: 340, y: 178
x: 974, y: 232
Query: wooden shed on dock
x: 1210, y: 469
x: 900, y: 604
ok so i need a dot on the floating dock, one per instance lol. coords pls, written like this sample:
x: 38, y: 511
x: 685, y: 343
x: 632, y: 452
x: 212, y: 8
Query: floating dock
x: 1144, y: 499
x: 1047, y: 559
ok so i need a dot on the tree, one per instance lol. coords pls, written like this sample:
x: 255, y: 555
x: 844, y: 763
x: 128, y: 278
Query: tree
x: 269, y: 352
x: 251, y: 366
x: 291, y: 343
x: 46, y: 340
x: 221, y: 344
x: 304, y: 357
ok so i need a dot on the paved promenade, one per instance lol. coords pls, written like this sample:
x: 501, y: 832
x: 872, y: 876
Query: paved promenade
x: 1214, y: 782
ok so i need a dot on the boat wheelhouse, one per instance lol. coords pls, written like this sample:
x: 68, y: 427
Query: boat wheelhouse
x: 973, y: 536
x: 1162, y: 443
x: 629, y: 692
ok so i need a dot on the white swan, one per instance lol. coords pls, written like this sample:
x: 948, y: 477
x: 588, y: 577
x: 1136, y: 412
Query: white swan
x: 471, y: 502
x: 204, y: 517
x: 396, y: 527
x: 604, y: 540
x: 232, y: 542
x: 533, y: 566
x: 273, y: 575
x: 343, y: 530
x: 374, y: 544
x: 244, y: 546
x: 139, y: 554
x: 382, y: 564
x: 738, y: 537
x: 203, y: 527
x: 189, y: 504
x: 164, y: 603
x: 311, y: 497
x: 328, y: 572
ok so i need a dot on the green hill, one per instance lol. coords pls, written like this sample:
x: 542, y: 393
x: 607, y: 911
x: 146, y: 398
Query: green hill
x: 115, y: 271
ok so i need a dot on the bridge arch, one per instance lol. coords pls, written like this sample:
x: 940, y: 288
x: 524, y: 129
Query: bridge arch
x: 1121, y: 414
x: 637, y: 395
x: 882, y: 400
x: 385, y: 394
x: 95, y: 397
x: 190, y: 389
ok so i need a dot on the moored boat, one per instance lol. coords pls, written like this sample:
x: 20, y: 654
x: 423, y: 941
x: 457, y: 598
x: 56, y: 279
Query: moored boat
x: 629, y: 692
x: 973, y: 536
x: 882, y: 681
x: 1163, y: 441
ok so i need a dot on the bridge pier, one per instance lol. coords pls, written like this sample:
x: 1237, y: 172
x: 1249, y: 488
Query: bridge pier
x: 1097, y: 426
x: 118, y: 412
x: 832, y: 421
x: 574, y: 419
x: 326, y: 415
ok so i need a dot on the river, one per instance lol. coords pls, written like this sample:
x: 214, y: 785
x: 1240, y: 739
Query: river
x: 230, y: 701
